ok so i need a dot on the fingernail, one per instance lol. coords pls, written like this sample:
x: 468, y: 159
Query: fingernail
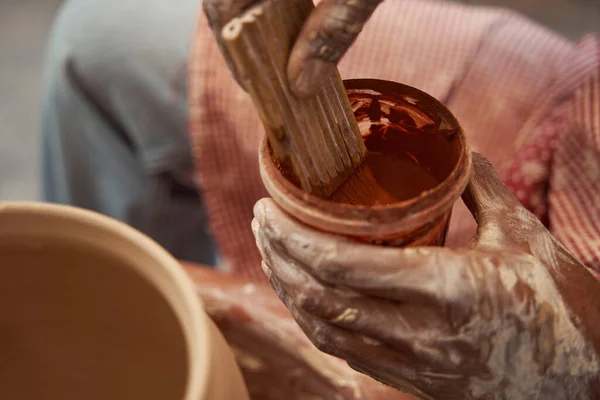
x: 259, y: 240
x: 255, y: 227
x: 260, y: 213
x: 266, y: 269
x: 311, y: 78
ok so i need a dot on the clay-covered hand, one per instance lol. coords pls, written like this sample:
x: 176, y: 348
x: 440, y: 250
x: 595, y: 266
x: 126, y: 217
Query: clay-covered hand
x: 328, y: 33
x: 277, y: 360
x: 514, y: 317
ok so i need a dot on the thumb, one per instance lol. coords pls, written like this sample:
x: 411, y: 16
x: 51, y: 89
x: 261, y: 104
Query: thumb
x: 326, y: 36
x: 497, y: 211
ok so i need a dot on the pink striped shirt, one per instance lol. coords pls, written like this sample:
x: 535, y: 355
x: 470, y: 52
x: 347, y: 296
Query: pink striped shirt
x: 528, y: 99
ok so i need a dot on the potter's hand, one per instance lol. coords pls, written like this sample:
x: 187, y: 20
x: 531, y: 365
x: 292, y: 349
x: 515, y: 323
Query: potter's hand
x: 277, y: 360
x: 328, y: 33
x: 514, y: 317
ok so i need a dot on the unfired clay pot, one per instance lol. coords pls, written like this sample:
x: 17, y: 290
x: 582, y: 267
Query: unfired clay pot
x: 92, y: 309
x: 421, y: 220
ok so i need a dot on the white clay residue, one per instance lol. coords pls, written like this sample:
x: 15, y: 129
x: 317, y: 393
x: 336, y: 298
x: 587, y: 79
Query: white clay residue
x: 348, y: 315
x: 248, y: 361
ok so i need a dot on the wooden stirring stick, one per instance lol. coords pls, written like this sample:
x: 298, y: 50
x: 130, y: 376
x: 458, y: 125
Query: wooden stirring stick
x: 317, y: 139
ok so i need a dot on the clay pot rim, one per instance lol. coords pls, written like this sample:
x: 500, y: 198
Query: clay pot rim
x: 195, y: 328
x: 350, y: 219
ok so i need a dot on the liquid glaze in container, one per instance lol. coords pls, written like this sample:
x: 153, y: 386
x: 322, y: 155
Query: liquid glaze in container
x: 393, y: 118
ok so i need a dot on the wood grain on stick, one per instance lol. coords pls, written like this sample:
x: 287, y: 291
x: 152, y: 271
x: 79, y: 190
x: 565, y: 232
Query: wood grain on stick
x: 316, y: 139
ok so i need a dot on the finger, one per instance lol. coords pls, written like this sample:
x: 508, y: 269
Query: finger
x: 500, y: 217
x: 425, y: 275
x: 410, y: 310
x: 423, y: 331
x: 329, y: 339
x: 376, y: 359
x: 390, y: 379
x: 486, y: 195
x: 394, y: 323
x: 328, y: 33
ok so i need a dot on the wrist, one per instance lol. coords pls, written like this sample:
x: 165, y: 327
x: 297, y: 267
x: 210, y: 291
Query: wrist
x: 578, y: 350
x: 580, y: 290
x: 580, y: 381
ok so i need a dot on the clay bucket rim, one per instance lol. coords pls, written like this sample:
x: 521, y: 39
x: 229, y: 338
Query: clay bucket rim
x: 189, y: 313
x: 380, y: 220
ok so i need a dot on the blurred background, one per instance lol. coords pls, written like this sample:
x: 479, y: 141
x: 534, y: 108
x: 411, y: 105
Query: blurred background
x: 24, y: 27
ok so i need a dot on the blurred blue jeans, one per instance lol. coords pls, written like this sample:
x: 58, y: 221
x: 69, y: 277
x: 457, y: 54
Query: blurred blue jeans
x: 115, y: 129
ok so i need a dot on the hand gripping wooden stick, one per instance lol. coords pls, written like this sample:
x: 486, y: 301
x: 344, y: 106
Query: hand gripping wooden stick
x: 317, y: 140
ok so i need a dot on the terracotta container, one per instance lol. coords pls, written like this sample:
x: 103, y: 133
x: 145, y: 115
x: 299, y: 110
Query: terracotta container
x: 92, y: 309
x: 437, y: 143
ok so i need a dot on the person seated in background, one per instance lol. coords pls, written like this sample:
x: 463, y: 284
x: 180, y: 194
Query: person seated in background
x: 143, y: 121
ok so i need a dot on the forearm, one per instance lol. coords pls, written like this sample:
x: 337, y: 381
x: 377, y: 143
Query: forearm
x: 579, y: 351
x: 581, y: 291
